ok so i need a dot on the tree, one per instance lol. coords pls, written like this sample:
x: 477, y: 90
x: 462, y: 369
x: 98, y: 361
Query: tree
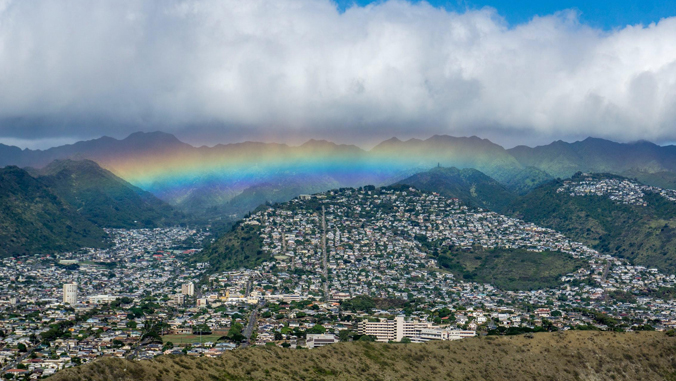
x: 22, y: 347
x: 279, y: 336
x: 201, y: 329
x: 317, y: 329
x: 345, y: 335
x: 405, y: 340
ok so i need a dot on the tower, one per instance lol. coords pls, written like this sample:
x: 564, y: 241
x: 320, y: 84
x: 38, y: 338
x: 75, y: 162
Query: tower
x: 188, y: 289
x: 70, y: 293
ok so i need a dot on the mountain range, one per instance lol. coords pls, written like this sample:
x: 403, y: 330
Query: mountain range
x: 65, y: 206
x: 228, y: 180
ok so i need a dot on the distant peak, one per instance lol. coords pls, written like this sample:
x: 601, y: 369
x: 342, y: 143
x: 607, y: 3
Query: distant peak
x: 155, y: 135
x: 312, y: 143
x: 644, y: 143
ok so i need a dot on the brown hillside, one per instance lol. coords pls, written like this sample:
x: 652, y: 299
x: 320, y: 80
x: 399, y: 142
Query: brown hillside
x: 576, y: 355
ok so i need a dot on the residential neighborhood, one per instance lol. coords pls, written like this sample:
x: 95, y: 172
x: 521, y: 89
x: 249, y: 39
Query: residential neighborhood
x: 348, y: 264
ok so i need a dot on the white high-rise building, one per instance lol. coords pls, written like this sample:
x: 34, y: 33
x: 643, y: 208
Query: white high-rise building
x: 70, y: 293
x: 188, y: 289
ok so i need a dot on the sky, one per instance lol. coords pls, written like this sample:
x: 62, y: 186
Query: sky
x: 219, y: 71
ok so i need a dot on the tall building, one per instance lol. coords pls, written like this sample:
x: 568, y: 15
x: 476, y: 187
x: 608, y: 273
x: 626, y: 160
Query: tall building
x: 70, y: 293
x: 188, y: 289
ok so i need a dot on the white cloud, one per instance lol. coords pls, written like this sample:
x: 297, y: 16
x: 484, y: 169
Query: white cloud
x: 299, y: 66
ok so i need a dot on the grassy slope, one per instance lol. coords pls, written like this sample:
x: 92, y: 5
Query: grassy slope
x: 240, y: 247
x: 573, y: 355
x: 34, y: 220
x: 510, y: 269
x: 645, y: 235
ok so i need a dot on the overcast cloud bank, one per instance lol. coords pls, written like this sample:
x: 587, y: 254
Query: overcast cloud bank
x: 272, y: 69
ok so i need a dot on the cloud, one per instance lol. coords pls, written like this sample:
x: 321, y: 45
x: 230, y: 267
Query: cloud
x: 258, y: 69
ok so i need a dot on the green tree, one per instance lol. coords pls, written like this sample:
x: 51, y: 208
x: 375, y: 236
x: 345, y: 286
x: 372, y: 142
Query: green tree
x: 316, y: 329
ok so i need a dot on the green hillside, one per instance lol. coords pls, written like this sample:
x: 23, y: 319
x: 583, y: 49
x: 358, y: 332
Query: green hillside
x: 509, y: 269
x: 564, y: 356
x: 240, y: 247
x: 469, y: 185
x: 645, y: 235
x: 104, y: 198
x: 35, y: 220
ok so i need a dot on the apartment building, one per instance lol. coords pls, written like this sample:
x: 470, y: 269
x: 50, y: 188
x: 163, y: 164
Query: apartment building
x: 394, y: 330
x: 70, y: 293
x: 188, y: 289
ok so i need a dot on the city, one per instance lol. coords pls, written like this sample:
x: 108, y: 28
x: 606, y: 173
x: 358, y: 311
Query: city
x: 349, y: 264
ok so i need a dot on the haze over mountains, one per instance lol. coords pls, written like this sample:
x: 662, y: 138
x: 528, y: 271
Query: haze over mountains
x: 234, y: 178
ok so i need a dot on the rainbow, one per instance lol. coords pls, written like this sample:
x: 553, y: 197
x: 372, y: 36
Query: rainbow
x: 174, y: 173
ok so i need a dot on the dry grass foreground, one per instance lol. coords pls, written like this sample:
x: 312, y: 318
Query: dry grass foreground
x: 574, y: 355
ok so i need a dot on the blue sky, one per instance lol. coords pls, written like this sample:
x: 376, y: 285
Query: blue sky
x: 605, y: 14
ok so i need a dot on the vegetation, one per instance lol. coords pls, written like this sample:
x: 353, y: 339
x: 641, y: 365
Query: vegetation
x: 508, y: 269
x: 571, y: 355
x: 35, y: 220
x: 469, y: 185
x: 645, y: 235
x: 103, y: 198
x: 240, y: 247
x: 365, y: 303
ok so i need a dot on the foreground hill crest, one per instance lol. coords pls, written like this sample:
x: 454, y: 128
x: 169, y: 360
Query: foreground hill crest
x: 573, y: 355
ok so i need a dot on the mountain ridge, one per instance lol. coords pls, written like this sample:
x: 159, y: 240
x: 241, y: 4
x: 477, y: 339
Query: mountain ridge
x: 199, y: 179
x: 102, y: 197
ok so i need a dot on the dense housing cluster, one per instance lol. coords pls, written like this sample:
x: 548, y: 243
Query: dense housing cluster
x: 622, y: 191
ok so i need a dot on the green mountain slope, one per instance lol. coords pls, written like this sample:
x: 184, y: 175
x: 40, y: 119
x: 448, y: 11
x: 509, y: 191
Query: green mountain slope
x: 104, y: 198
x: 469, y: 185
x: 646, y: 235
x: 565, y: 356
x: 240, y: 247
x: 35, y: 220
x: 510, y: 269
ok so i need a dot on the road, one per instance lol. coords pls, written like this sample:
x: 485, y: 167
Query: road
x: 248, y: 330
x: 603, y: 279
x: 134, y: 352
x: 13, y: 364
x: 248, y: 287
x: 605, y: 272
